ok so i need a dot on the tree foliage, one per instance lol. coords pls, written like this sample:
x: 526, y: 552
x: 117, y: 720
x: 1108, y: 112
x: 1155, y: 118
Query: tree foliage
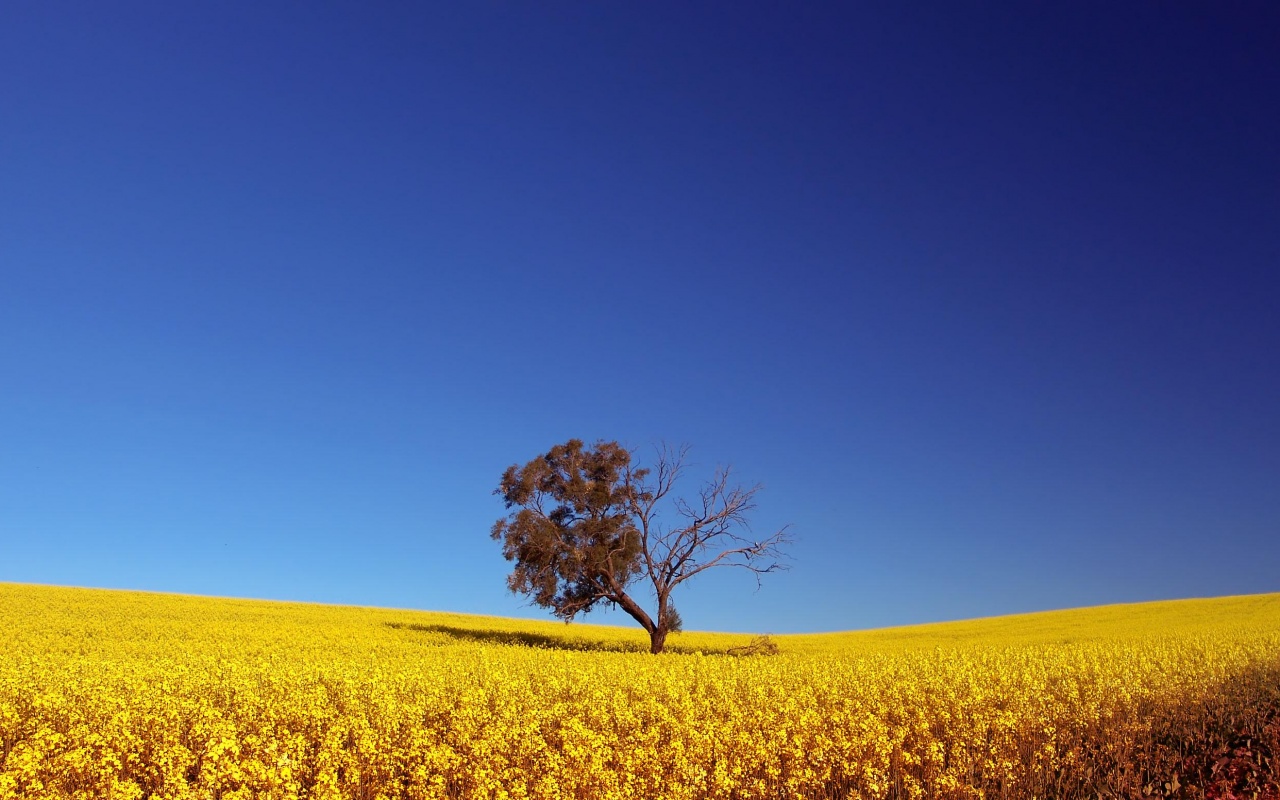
x: 583, y: 528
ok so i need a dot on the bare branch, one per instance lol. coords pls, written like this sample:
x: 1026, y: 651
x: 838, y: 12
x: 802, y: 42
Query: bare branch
x: 758, y: 557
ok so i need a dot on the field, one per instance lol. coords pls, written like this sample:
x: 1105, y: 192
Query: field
x: 108, y: 694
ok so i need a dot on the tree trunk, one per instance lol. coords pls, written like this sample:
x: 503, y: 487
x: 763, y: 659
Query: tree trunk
x: 657, y: 640
x: 633, y: 610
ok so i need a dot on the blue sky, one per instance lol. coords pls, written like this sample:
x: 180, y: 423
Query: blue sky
x: 985, y: 296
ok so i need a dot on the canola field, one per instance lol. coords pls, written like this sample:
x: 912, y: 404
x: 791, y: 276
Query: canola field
x: 108, y: 694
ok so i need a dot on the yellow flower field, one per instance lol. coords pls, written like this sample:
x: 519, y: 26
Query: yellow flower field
x: 107, y: 694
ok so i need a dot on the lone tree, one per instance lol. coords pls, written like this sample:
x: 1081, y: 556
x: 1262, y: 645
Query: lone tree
x: 584, y: 529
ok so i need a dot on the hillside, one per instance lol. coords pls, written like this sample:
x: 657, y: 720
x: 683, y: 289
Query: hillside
x: 86, y: 615
x: 134, y: 695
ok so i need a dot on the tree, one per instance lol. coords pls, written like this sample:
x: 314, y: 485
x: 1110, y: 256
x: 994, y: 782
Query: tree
x: 583, y: 529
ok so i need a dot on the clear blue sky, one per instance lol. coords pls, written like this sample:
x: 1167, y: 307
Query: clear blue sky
x: 985, y: 295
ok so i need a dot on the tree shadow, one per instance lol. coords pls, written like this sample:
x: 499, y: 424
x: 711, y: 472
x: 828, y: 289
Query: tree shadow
x: 523, y: 639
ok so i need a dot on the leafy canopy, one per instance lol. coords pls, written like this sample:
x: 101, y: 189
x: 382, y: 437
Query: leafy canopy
x: 573, y: 540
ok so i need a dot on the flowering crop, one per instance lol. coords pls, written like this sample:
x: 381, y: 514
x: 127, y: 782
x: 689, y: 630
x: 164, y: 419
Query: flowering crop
x: 130, y: 695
